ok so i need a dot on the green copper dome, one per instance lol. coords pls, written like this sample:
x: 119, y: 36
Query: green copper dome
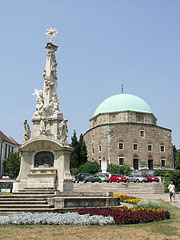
x: 123, y: 102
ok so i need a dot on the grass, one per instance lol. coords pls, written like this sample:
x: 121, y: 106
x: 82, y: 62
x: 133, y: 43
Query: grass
x: 162, y: 230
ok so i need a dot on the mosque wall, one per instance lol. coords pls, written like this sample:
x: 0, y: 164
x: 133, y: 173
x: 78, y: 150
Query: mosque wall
x: 124, y: 116
x: 138, y: 145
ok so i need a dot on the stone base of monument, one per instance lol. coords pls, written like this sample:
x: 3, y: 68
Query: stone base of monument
x: 78, y: 200
x: 39, y: 200
x: 45, y: 165
x: 42, y: 178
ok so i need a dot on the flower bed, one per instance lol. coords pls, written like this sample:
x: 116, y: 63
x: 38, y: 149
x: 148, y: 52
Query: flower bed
x: 56, y: 219
x: 128, y: 216
x: 127, y: 198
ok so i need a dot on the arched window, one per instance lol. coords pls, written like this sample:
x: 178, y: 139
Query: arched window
x: 93, y: 150
x: 121, y: 159
x: 100, y: 161
x: 142, y: 132
x: 135, y: 147
x: 162, y: 147
x: 150, y: 162
x: 163, y: 161
x: 121, y: 145
x: 135, y: 162
x: 149, y: 147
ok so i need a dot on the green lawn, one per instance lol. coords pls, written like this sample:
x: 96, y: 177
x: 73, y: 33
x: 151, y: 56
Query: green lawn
x: 162, y: 230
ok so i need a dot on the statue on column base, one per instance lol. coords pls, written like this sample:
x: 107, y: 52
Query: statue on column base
x: 27, y: 131
x: 63, y: 131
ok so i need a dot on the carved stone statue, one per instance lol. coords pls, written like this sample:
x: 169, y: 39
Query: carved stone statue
x: 27, y: 131
x: 40, y: 103
x: 54, y: 104
x: 63, y: 131
x: 42, y: 126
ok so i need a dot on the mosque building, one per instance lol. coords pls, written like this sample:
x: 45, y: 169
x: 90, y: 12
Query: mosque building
x: 124, y: 131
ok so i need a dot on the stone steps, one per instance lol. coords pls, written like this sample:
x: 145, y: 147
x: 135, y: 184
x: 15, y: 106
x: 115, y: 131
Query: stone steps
x: 30, y: 201
x: 22, y: 202
x: 23, y: 199
x: 20, y: 205
x: 32, y: 195
x: 34, y: 190
x: 25, y: 209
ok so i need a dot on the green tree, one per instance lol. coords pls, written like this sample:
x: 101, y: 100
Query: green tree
x: 174, y: 155
x: 12, y: 164
x: 124, y: 170
x: 113, y: 168
x: 175, y: 177
x: 75, y: 153
x: 177, y: 161
x: 79, y: 154
x: 90, y: 167
x: 82, y: 151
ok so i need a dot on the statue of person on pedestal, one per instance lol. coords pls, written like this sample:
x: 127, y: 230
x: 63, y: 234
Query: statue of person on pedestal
x: 42, y: 126
x: 27, y: 131
x: 63, y: 131
x: 40, y: 103
x: 54, y: 104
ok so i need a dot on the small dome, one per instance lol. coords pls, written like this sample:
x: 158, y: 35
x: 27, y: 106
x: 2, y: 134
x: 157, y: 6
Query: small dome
x: 123, y: 102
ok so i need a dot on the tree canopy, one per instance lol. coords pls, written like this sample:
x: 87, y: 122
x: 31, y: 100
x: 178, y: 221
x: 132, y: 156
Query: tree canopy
x: 124, y: 170
x: 79, y: 154
x: 12, y: 164
x: 177, y: 160
x: 90, y: 167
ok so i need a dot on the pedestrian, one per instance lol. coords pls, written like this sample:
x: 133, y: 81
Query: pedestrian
x: 172, y: 191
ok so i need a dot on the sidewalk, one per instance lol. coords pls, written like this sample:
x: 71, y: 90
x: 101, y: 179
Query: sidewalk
x: 164, y: 196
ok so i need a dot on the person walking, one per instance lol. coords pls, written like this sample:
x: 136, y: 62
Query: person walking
x: 172, y: 191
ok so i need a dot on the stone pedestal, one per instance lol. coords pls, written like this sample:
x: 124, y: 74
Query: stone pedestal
x: 39, y: 171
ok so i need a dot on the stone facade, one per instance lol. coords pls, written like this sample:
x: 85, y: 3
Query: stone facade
x: 129, y: 138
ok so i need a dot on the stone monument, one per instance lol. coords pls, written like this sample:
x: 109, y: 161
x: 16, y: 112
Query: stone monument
x: 45, y: 157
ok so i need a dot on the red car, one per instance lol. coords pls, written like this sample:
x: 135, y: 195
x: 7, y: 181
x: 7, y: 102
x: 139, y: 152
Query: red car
x: 151, y: 178
x: 117, y: 178
x: 5, y: 178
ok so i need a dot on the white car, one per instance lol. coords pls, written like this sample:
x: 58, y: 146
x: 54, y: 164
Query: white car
x: 136, y: 178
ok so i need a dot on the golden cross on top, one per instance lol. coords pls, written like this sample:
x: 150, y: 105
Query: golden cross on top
x: 51, y: 33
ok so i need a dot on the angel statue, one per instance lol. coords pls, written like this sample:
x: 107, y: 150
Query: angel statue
x: 27, y: 131
x: 63, y: 131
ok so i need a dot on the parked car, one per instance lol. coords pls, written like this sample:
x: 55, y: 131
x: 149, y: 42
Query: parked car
x: 73, y: 179
x: 5, y: 177
x: 100, y: 178
x: 136, y: 178
x: 84, y: 177
x: 151, y: 178
x: 117, y: 178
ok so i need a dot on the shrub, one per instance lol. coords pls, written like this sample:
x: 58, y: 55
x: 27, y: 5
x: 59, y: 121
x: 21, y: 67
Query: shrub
x: 177, y: 160
x: 127, y: 216
x: 74, y: 171
x: 12, y: 164
x: 56, y: 219
x: 133, y: 200
x: 162, y: 173
x: 90, y: 167
x: 124, y: 170
x: 127, y: 198
x: 166, y: 182
x: 148, y: 204
x: 175, y: 177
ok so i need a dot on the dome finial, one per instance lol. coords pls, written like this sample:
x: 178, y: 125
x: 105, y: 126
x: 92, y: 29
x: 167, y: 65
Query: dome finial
x: 122, y: 88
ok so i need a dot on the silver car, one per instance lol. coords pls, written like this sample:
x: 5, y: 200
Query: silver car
x: 136, y: 178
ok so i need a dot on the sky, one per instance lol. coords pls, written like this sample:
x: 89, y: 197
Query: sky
x: 101, y: 45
